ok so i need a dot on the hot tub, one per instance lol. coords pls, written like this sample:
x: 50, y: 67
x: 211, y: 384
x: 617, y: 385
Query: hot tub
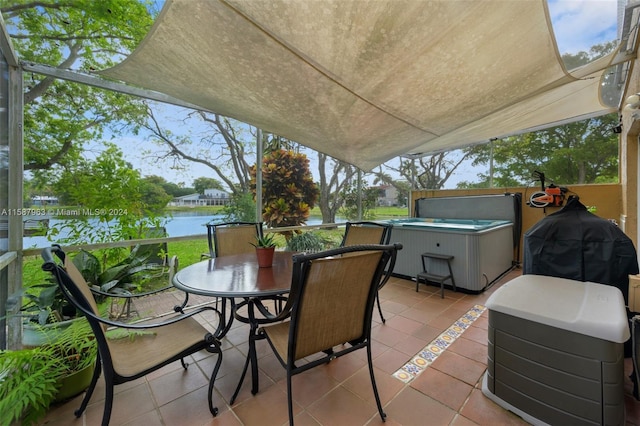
x: 482, y: 249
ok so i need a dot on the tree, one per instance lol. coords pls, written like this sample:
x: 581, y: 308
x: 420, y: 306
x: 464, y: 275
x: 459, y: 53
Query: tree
x: 153, y: 196
x: 172, y: 189
x: 108, y: 194
x: 351, y: 200
x: 242, y: 208
x: 576, y: 153
x: 61, y: 116
x: 335, y: 176
x: 288, y: 191
x: 202, y: 183
x: 427, y: 172
x: 221, y: 144
x: 176, y: 190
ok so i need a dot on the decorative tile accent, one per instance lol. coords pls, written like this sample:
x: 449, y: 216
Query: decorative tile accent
x: 429, y: 353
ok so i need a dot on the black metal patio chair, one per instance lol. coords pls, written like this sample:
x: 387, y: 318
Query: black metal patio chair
x: 348, y: 277
x: 365, y: 232
x: 152, y: 344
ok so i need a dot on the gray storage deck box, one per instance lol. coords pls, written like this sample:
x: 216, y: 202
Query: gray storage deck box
x: 556, y: 351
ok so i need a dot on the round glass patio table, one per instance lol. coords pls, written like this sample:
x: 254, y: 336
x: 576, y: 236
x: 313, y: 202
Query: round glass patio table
x: 239, y: 276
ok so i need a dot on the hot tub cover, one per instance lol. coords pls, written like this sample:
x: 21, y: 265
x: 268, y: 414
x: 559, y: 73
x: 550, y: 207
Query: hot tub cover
x: 576, y: 244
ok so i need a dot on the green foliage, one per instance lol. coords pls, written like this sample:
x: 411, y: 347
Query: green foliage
x: 242, y: 208
x: 582, y: 152
x: 30, y: 377
x: 202, y: 183
x: 43, y: 303
x: 288, y: 190
x: 121, y: 278
x: 61, y: 116
x: 577, y: 153
x: 266, y: 241
x: 307, y: 242
x: 153, y: 197
x: 26, y: 388
x: 170, y: 188
x: 109, y: 196
x: 350, y: 207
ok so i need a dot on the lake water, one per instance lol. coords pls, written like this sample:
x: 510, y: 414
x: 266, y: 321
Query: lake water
x: 182, y: 223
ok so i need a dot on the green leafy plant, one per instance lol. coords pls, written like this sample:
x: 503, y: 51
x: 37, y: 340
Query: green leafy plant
x: 30, y: 379
x: 264, y: 241
x: 120, y: 278
x: 306, y: 242
x: 41, y: 303
x: 45, y: 304
x: 289, y: 192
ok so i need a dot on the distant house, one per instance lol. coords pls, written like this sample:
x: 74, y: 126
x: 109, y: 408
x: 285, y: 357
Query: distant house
x: 216, y: 197
x: 211, y: 197
x: 388, y: 196
x: 44, y: 200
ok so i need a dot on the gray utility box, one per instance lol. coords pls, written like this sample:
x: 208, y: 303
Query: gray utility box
x: 556, y: 351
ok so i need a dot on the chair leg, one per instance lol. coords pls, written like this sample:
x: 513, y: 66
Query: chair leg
x: 383, y: 416
x: 379, y: 308
x: 289, y: 398
x: 185, y: 365
x: 87, y: 396
x: 108, y: 402
x: 212, y: 380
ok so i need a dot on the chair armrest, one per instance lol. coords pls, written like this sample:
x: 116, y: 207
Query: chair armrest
x: 129, y: 295
x: 141, y: 326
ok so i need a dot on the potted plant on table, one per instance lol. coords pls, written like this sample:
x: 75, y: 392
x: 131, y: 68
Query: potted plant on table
x: 265, y: 248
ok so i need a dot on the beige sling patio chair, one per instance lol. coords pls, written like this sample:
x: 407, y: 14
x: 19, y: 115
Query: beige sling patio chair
x: 369, y: 233
x: 366, y: 233
x: 229, y: 238
x: 125, y: 359
x: 330, y: 303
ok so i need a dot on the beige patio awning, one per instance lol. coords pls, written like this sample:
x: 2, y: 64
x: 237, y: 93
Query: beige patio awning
x: 366, y: 81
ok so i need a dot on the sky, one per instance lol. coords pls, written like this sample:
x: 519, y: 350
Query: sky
x: 578, y: 25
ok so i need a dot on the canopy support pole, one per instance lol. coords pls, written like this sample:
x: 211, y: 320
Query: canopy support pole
x: 259, y: 155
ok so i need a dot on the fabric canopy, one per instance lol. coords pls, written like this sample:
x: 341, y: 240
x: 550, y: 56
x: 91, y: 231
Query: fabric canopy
x: 366, y: 81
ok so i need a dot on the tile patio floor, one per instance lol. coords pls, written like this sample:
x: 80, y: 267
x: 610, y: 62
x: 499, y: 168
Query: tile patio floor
x: 447, y: 392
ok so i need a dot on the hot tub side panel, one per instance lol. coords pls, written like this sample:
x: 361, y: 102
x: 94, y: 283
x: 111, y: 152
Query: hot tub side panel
x: 495, y: 254
x: 554, y: 375
x: 479, y: 257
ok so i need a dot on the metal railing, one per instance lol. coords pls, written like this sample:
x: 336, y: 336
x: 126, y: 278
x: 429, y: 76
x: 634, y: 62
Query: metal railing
x: 131, y: 243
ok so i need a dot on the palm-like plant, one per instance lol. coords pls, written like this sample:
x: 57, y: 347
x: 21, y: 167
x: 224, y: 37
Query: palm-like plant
x: 265, y: 241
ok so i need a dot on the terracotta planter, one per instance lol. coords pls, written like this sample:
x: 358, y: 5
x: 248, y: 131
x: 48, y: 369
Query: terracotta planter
x: 265, y: 256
